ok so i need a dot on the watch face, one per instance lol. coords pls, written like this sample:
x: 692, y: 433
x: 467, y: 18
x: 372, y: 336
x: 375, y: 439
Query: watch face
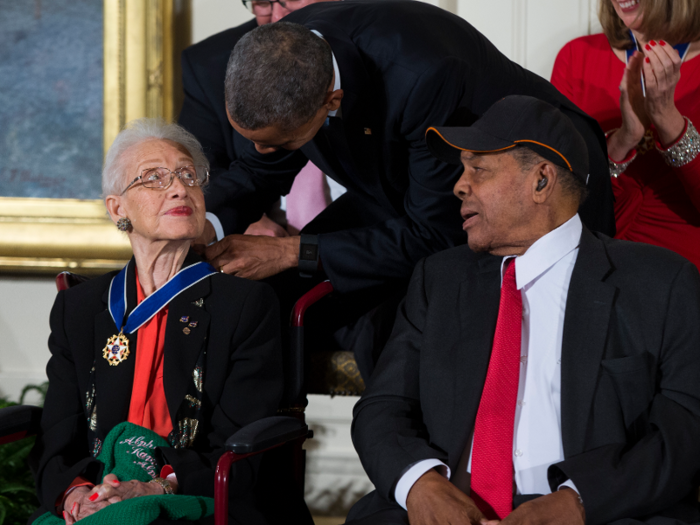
x: 308, y: 252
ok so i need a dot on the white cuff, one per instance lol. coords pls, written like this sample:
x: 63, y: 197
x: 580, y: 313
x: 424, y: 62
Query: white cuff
x: 411, y: 476
x: 216, y: 223
x: 570, y: 484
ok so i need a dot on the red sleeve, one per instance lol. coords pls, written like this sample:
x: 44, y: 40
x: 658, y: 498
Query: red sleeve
x: 561, y: 73
x: 689, y: 175
x: 628, y: 201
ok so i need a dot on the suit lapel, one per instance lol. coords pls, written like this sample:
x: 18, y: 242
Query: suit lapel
x: 348, y: 143
x: 479, y: 298
x: 588, y: 307
x: 113, y: 384
x: 183, y: 349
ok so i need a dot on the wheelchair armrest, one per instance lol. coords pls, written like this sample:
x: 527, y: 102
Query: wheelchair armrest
x: 65, y: 280
x: 314, y: 295
x: 266, y: 433
x: 18, y: 422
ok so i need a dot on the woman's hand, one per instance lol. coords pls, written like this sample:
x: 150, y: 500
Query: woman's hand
x: 77, y: 505
x: 662, y: 71
x: 113, y: 490
x: 632, y: 106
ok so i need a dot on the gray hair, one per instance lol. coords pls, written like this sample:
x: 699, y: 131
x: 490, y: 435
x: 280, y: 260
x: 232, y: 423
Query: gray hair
x: 278, y: 74
x: 136, y: 132
x: 571, y: 183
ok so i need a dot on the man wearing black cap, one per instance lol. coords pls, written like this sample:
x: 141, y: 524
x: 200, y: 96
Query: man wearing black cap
x: 543, y: 374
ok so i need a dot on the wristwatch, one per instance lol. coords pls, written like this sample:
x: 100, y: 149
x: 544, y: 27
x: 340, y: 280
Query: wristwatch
x: 308, y: 255
x: 167, y: 488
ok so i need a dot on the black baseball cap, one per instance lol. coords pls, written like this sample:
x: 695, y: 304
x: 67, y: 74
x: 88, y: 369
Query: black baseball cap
x: 516, y: 120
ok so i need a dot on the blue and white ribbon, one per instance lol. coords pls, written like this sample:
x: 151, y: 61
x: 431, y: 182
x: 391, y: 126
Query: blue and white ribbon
x: 152, y: 304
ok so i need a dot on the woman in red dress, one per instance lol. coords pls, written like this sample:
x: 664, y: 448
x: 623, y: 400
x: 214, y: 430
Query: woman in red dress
x: 641, y: 80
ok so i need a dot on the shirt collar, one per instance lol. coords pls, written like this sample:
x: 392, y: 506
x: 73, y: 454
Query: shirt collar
x: 336, y: 70
x: 546, y: 252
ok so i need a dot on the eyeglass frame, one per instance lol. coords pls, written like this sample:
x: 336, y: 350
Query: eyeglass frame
x: 173, y: 174
x: 280, y: 2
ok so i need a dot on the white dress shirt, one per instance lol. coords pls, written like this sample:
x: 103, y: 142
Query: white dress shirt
x: 542, y: 275
x: 336, y: 189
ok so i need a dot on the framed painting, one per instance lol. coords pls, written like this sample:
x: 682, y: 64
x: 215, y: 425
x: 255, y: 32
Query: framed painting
x: 72, y: 73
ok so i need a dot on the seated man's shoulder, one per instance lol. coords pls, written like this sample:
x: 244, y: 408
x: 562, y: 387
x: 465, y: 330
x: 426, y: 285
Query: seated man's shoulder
x: 453, y: 263
x: 642, y: 260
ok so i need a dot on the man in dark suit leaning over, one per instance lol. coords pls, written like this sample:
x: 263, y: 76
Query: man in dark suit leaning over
x: 544, y: 374
x: 203, y: 75
x: 355, y: 98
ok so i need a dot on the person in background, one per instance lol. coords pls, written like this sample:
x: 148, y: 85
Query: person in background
x: 168, y: 343
x: 640, y: 80
x: 203, y: 115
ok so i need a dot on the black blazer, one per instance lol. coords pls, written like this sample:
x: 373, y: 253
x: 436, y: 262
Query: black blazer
x: 630, y: 399
x: 237, y: 326
x: 404, y: 66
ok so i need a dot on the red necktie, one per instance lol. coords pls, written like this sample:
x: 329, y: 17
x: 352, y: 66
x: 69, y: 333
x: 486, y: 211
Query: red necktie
x: 492, y: 453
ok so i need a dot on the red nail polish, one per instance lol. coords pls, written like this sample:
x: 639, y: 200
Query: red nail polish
x: 647, y: 47
x: 653, y: 42
x: 94, y: 496
x: 647, y: 60
x: 65, y: 516
x: 662, y: 42
x: 72, y: 509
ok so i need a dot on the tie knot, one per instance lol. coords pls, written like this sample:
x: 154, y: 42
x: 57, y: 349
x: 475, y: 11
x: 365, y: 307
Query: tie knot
x: 509, y: 275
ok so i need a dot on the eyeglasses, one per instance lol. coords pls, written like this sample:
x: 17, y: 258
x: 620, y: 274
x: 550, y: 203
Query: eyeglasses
x: 162, y: 178
x: 258, y: 7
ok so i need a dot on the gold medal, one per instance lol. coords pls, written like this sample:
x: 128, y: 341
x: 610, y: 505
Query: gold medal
x: 117, y: 349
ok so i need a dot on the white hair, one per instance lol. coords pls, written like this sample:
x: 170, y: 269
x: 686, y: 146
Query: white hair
x: 136, y: 132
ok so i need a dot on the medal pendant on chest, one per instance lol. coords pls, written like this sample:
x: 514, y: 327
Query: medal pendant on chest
x: 117, y: 349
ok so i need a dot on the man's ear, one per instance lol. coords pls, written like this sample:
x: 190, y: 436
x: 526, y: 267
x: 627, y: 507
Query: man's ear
x: 333, y: 100
x: 544, y: 182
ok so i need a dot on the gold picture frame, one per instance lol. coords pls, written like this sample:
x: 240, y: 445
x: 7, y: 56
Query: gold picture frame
x: 142, y: 43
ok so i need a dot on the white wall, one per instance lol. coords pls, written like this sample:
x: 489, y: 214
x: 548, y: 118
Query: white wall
x: 212, y: 16
x: 528, y: 31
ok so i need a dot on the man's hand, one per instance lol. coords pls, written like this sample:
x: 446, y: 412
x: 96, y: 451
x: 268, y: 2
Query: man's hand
x: 254, y: 257
x: 267, y: 227
x: 558, y: 508
x: 433, y: 500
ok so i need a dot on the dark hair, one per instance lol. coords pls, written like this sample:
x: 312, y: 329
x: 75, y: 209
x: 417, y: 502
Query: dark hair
x: 674, y: 21
x: 278, y: 74
x: 571, y: 183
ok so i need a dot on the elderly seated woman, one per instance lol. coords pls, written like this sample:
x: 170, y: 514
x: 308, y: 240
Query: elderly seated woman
x: 168, y: 344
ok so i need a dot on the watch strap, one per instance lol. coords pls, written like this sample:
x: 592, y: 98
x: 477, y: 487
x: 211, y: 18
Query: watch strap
x: 308, y: 255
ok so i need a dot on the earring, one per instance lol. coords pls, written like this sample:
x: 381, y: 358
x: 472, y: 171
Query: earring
x: 123, y: 224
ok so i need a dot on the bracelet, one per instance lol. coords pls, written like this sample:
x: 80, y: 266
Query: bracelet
x: 167, y: 488
x: 617, y: 168
x: 684, y: 150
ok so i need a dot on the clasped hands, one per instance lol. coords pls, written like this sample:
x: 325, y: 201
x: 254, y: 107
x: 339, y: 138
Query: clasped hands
x: 84, y: 501
x: 661, y: 66
x: 433, y: 500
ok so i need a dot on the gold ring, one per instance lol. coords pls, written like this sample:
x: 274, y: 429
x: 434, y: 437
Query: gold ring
x: 221, y: 269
